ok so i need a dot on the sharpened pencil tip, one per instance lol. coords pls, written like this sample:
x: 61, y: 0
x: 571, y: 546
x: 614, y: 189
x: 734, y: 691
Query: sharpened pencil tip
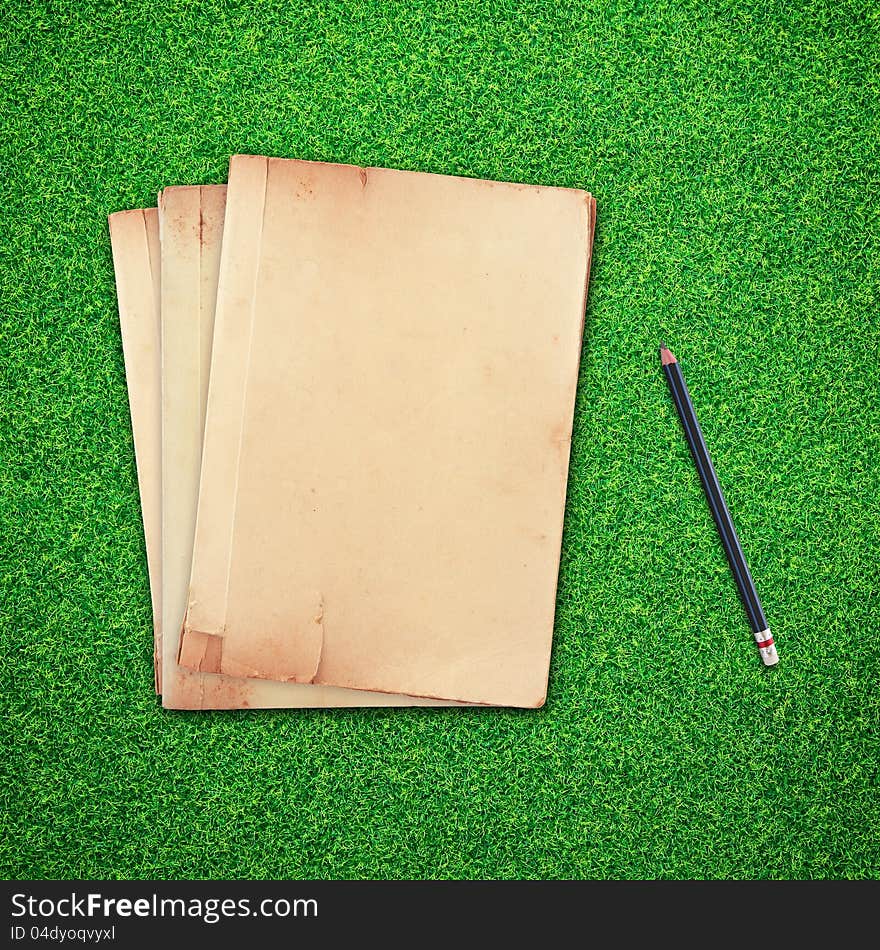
x: 666, y: 355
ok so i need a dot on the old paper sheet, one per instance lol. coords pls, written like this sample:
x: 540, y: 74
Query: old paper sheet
x: 191, y: 221
x: 389, y: 420
x: 134, y: 236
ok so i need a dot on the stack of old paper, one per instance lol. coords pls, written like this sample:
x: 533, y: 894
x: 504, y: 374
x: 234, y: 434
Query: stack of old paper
x: 351, y: 395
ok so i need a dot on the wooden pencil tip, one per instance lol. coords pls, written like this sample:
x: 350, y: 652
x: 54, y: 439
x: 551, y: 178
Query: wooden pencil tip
x: 667, y: 356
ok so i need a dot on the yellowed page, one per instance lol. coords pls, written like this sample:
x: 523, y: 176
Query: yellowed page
x: 134, y: 236
x: 192, y: 221
x: 383, y: 485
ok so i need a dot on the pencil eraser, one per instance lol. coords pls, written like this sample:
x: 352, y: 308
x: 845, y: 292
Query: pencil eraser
x: 767, y: 648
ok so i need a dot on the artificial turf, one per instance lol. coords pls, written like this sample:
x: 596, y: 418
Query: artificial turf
x: 734, y: 149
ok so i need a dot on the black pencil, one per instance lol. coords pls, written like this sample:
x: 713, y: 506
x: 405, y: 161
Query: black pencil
x: 732, y: 548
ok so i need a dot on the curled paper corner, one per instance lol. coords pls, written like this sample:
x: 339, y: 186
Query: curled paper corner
x: 291, y: 653
x: 200, y: 651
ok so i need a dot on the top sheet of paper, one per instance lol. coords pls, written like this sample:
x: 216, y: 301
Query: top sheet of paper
x: 388, y: 430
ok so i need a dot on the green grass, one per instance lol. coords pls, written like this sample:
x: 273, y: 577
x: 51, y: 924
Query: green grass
x: 735, y: 153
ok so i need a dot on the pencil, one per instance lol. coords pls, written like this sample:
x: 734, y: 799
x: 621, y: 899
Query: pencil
x: 711, y: 486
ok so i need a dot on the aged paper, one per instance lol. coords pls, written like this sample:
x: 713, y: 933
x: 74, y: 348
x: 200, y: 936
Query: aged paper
x: 134, y: 236
x: 388, y: 428
x: 191, y: 220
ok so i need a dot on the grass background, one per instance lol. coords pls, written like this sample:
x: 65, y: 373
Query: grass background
x: 735, y: 152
